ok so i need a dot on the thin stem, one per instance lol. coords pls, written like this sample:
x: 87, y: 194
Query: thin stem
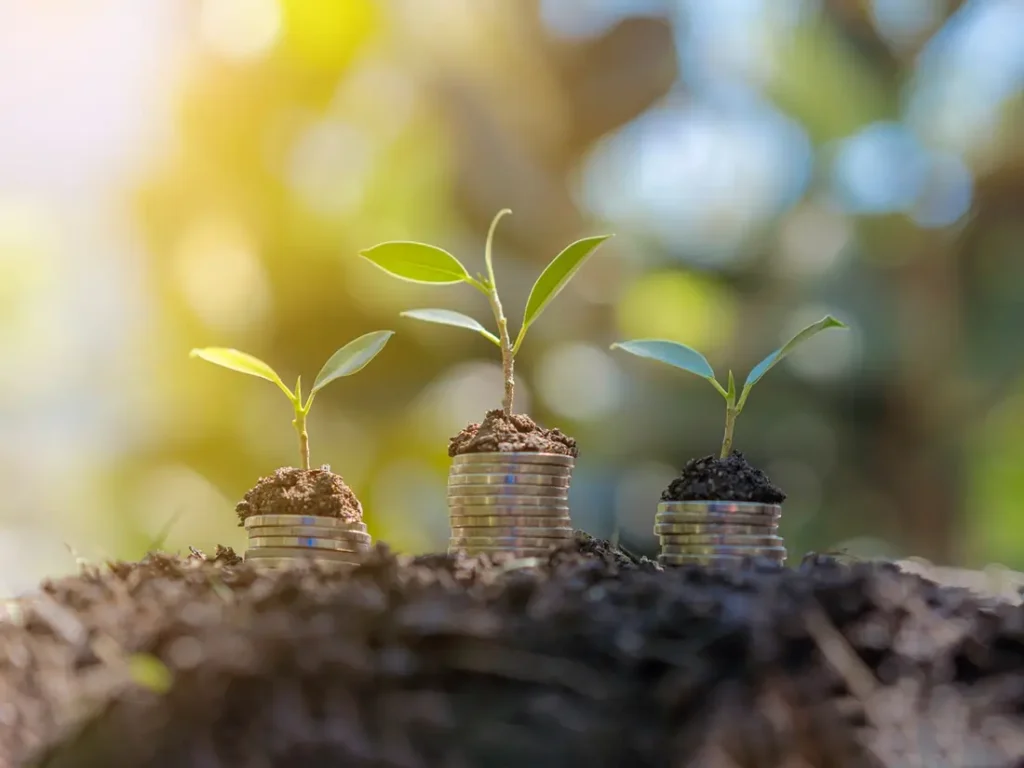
x: 507, y: 358
x: 731, y: 412
x: 300, y: 428
x: 507, y: 354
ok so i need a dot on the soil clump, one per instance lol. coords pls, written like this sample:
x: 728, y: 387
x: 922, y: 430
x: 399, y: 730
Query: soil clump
x: 518, y: 432
x: 715, y: 479
x: 588, y: 659
x: 290, y: 491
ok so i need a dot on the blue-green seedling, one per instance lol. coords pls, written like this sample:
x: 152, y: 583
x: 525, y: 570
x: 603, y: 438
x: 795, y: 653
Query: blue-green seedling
x: 688, y: 359
x: 351, y: 358
x: 421, y: 263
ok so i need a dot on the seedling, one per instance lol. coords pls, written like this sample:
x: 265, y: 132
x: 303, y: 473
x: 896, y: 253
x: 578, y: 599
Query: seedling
x: 683, y: 357
x: 351, y: 358
x: 421, y: 263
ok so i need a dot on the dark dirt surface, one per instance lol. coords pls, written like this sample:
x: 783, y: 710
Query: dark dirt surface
x: 507, y: 434
x: 588, y: 660
x: 290, y: 491
x: 730, y: 479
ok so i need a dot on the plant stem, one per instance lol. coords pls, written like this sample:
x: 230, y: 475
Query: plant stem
x: 731, y: 412
x: 507, y: 357
x: 300, y: 428
x: 507, y: 361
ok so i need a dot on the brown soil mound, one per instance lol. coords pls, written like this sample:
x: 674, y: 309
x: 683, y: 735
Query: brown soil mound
x: 290, y: 491
x: 507, y: 434
x: 589, y: 660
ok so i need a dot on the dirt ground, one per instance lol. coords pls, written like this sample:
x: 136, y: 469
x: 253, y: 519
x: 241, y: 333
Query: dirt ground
x: 593, y: 658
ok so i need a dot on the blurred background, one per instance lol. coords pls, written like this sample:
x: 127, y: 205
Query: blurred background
x: 183, y: 173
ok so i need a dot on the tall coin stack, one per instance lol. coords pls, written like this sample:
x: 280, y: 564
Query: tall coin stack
x: 509, y: 502
x: 718, y: 533
x: 278, y: 540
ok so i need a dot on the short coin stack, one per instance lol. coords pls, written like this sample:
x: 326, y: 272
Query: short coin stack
x: 718, y: 533
x: 509, y: 502
x: 278, y: 540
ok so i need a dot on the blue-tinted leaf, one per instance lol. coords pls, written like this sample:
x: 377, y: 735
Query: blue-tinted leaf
x: 351, y: 358
x: 670, y: 352
x: 417, y: 262
x: 448, y: 317
x: 769, y: 362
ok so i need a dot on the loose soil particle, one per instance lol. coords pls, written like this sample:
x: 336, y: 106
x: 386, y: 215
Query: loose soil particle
x: 290, y: 491
x: 729, y: 479
x: 517, y: 432
x: 585, y: 660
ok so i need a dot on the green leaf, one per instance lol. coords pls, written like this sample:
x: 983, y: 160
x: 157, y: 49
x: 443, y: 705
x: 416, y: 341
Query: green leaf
x: 769, y: 362
x: 730, y: 392
x: 149, y: 672
x: 554, y: 278
x: 448, y: 317
x: 417, y: 262
x: 672, y: 353
x: 351, y: 358
x: 241, y: 362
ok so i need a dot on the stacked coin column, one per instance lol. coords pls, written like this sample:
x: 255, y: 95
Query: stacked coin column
x: 509, y: 502
x: 277, y: 540
x: 718, y: 533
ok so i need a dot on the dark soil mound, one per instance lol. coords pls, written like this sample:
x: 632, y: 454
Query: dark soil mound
x: 291, y: 491
x: 729, y: 479
x: 438, y: 661
x: 517, y: 432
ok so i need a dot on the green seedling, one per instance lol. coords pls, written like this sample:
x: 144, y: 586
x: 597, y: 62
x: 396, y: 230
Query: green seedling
x: 421, y: 263
x: 351, y: 358
x: 683, y: 357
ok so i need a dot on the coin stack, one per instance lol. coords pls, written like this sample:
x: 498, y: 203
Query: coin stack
x: 278, y: 540
x: 718, y: 533
x: 509, y: 502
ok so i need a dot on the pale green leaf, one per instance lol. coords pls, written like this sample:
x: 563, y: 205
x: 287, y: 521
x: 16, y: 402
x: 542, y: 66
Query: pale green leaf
x: 769, y: 362
x: 554, y: 278
x: 149, y: 672
x: 448, y: 317
x: 671, y: 353
x: 351, y: 358
x: 417, y: 262
x: 241, y: 362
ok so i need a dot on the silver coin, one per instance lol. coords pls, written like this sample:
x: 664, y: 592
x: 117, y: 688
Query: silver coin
x: 502, y: 542
x: 508, y: 478
x: 710, y: 561
x: 507, y: 500
x: 303, y: 542
x: 665, y: 529
x: 677, y: 518
x: 730, y: 540
x: 504, y: 467
x: 519, y: 457
x: 304, y: 554
x: 721, y: 507
x: 505, y: 521
x: 539, y: 533
x: 261, y: 521
x: 518, y: 552
x: 713, y: 549
x: 554, y: 511
x: 535, y: 491
x: 311, y: 531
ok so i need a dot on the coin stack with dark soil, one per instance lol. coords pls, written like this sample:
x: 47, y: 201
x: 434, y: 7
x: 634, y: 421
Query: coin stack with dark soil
x: 720, y: 512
